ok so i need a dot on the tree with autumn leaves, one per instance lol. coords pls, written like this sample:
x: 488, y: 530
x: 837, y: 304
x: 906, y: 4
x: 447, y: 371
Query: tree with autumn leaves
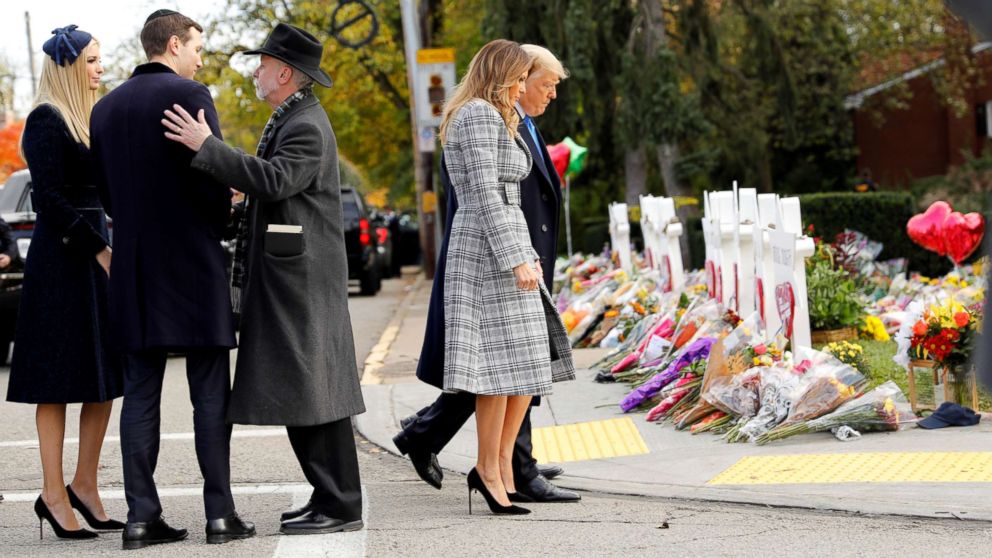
x: 10, y: 156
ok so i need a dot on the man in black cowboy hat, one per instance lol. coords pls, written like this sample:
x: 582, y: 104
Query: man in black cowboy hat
x: 169, y: 291
x: 296, y: 363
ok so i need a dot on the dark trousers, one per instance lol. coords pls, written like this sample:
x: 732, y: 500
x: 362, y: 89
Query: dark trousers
x: 438, y: 423
x: 329, y: 460
x: 208, y: 371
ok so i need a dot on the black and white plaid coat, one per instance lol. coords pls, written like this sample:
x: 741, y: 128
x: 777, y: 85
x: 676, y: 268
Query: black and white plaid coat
x: 499, y: 339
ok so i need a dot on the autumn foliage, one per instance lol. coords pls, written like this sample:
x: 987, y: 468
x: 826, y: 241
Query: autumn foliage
x: 10, y: 159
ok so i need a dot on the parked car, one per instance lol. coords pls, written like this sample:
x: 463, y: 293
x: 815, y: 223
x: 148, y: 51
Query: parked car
x: 360, y: 243
x: 17, y: 210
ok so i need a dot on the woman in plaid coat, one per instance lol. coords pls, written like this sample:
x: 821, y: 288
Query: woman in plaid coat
x: 504, y: 340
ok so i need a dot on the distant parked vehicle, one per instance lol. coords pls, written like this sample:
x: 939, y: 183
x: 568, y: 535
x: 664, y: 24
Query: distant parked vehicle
x: 17, y: 210
x: 360, y: 243
x: 384, y: 244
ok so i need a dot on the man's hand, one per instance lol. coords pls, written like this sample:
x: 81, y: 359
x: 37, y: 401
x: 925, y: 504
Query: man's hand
x: 184, y: 129
x: 103, y: 258
x: 4, y: 261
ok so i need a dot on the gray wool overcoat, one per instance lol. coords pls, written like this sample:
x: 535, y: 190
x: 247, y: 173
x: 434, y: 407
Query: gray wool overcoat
x: 296, y: 362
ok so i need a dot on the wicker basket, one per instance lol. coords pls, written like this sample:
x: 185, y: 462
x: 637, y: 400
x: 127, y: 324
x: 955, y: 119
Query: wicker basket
x: 824, y: 336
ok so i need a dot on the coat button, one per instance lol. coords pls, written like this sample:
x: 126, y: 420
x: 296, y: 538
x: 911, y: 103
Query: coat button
x: 65, y: 240
x: 544, y: 197
x: 544, y: 228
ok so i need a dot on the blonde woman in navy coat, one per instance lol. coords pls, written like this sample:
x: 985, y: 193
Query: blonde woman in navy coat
x: 61, y: 352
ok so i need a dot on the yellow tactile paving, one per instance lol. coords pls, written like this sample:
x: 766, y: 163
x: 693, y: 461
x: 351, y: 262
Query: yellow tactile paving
x: 599, y: 439
x: 975, y: 466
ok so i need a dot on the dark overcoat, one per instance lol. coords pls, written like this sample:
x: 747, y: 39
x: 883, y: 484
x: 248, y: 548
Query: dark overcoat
x: 296, y: 364
x: 540, y: 200
x: 168, y: 281
x: 62, y: 346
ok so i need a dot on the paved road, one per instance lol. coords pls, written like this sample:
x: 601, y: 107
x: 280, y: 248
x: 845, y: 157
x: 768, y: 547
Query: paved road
x: 408, y: 518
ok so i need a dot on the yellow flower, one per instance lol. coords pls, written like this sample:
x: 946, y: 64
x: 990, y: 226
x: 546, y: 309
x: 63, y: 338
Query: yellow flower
x: 756, y: 361
x: 889, y: 406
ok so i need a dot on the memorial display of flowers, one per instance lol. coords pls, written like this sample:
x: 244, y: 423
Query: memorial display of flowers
x: 694, y: 365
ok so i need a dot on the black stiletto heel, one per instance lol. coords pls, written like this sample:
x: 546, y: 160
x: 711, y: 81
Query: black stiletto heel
x: 75, y: 502
x: 43, y: 513
x: 475, y: 483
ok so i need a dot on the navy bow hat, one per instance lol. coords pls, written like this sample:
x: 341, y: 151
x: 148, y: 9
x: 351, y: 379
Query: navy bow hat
x: 67, y: 44
x: 950, y: 414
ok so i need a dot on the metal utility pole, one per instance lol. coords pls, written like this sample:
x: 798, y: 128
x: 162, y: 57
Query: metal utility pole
x: 423, y: 154
x: 34, y: 82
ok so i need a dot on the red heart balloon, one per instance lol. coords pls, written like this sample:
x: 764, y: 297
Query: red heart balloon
x: 962, y: 235
x: 926, y: 229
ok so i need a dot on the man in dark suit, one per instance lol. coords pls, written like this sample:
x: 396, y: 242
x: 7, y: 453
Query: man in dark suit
x: 296, y: 365
x: 168, y: 285
x: 425, y: 434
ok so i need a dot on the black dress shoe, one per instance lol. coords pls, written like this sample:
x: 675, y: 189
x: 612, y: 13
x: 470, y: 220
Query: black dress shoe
x: 227, y: 529
x: 293, y: 514
x: 551, y: 471
x: 141, y: 534
x: 540, y: 490
x: 406, y: 422
x: 424, y: 462
x: 314, y: 522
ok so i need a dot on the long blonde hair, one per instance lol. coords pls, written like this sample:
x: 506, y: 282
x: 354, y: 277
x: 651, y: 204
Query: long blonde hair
x: 67, y: 89
x: 491, y: 73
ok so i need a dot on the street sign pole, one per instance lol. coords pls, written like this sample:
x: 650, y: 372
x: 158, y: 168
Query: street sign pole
x: 423, y: 147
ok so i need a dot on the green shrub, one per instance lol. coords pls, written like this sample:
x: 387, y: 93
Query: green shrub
x: 882, y: 216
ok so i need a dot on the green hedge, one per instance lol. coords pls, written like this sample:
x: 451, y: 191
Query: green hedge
x: 882, y: 216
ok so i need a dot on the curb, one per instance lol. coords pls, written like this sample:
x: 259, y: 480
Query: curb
x: 377, y: 356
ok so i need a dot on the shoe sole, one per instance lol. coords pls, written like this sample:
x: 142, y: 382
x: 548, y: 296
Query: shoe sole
x: 343, y: 528
x: 221, y: 539
x: 135, y: 545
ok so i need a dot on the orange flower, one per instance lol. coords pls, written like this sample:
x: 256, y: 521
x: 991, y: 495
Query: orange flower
x: 920, y: 328
x: 961, y: 318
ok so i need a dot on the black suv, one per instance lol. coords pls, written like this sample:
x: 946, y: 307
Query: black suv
x: 360, y: 242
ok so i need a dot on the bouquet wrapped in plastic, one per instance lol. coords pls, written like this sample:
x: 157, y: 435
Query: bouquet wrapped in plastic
x: 777, y: 387
x: 698, y: 350
x: 732, y: 355
x: 827, y: 384
x: 884, y: 408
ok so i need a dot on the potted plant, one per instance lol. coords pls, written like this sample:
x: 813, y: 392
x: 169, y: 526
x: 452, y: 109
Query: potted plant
x: 835, y: 304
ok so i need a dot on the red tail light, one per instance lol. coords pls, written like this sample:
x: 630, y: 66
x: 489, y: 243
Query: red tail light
x: 363, y: 232
x: 382, y: 234
x: 22, y: 226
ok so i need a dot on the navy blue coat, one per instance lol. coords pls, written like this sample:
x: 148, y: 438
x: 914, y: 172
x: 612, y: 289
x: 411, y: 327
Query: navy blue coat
x: 62, y: 352
x: 168, y: 279
x: 540, y: 200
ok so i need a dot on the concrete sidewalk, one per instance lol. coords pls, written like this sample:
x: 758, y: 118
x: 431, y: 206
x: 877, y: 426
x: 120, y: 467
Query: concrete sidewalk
x: 703, y: 467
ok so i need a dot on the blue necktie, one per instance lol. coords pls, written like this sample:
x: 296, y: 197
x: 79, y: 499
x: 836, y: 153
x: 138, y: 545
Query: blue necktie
x: 532, y: 130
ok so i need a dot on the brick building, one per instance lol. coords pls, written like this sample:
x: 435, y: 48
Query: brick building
x: 925, y: 138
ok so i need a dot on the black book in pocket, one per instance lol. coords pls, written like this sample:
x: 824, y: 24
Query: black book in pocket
x: 284, y: 240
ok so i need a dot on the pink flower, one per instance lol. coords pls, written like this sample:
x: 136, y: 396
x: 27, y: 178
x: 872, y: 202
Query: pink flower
x: 760, y: 349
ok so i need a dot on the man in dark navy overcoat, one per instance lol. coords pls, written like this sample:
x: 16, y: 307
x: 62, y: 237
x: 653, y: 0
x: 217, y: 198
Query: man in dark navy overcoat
x: 169, y: 290
x: 433, y: 427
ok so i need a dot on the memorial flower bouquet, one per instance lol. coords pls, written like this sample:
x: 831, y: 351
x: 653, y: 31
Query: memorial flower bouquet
x: 945, y: 334
x: 848, y: 353
x: 884, y: 408
x: 827, y: 384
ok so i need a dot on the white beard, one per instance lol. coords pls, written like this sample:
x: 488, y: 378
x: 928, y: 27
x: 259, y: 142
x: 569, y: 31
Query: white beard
x: 260, y: 91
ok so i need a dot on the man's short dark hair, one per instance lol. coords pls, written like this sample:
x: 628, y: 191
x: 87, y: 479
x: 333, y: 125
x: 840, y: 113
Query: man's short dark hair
x: 156, y: 33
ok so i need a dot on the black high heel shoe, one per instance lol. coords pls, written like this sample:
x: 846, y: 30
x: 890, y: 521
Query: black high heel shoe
x: 475, y: 483
x: 42, y: 511
x: 108, y: 525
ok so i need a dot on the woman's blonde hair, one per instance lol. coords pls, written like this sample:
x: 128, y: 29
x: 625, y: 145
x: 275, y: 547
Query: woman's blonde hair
x: 67, y: 89
x: 491, y: 73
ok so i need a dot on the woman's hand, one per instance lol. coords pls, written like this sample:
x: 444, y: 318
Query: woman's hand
x: 184, y: 129
x: 540, y: 270
x: 526, y: 276
x: 103, y: 258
